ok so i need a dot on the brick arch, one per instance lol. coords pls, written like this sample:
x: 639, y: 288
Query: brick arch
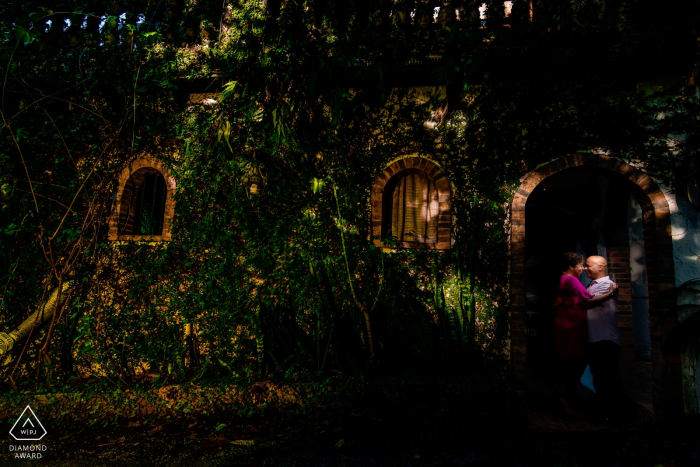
x: 436, y: 175
x: 128, y: 184
x: 666, y: 372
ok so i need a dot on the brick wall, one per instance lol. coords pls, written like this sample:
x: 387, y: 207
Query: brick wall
x: 619, y: 269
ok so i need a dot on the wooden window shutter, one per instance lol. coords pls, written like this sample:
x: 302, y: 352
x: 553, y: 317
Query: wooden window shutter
x: 414, y: 209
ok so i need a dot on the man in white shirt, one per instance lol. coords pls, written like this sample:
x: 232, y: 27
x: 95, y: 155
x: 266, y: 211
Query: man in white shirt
x: 603, y: 337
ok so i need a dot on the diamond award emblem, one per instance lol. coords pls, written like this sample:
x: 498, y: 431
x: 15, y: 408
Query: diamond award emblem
x: 28, y: 427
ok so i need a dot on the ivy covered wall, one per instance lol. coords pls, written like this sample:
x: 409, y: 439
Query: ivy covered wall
x: 319, y: 97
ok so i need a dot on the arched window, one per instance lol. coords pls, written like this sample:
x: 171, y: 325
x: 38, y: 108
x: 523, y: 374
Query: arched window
x: 144, y: 202
x: 411, y: 202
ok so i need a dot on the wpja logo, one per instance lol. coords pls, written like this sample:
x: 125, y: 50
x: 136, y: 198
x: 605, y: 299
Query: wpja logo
x: 28, y: 428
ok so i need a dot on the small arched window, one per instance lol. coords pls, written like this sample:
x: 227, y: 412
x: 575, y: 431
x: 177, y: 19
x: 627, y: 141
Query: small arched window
x: 144, y: 204
x: 411, y: 202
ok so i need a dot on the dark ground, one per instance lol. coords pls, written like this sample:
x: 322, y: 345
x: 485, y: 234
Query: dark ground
x: 437, y: 424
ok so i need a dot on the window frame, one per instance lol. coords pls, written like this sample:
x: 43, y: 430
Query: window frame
x: 381, y: 211
x: 118, y: 219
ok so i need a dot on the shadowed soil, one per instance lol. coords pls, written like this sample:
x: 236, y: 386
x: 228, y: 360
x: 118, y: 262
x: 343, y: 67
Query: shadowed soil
x: 434, y: 423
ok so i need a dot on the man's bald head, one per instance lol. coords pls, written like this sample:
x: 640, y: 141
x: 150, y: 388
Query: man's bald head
x: 596, y: 267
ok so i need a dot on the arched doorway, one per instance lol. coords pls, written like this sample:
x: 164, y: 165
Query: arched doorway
x: 595, y: 205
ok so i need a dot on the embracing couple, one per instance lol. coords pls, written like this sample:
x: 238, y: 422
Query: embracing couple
x: 586, y: 331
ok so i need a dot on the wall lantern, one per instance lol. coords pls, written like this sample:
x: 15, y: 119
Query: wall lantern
x: 7, y: 189
x: 255, y: 180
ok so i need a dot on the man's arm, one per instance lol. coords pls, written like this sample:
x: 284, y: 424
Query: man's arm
x: 600, y: 296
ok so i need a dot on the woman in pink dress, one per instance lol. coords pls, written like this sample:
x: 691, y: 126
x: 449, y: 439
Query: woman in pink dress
x: 570, y: 327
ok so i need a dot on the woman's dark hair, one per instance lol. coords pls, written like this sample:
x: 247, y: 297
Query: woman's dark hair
x: 570, y: 260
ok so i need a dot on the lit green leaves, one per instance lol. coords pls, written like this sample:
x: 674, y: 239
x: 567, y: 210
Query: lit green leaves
x: 228, y: 90
x: 317, y: 185
x: 225, y: 132
x: 278, y: 121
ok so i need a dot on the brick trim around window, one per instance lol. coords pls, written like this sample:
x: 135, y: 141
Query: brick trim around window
x: 127, y: 186
x: 666, y: 371
x: 442, y: 184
